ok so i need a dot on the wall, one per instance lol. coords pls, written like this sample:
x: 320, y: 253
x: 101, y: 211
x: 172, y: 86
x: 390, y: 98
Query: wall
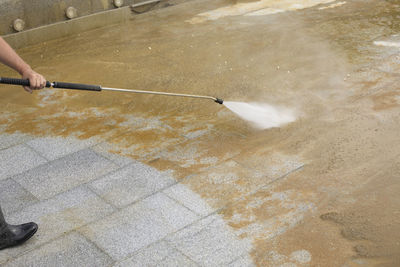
x: 37, y: 13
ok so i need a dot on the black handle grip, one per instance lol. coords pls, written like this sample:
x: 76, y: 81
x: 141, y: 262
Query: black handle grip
x: 76, y: 86
x: 22, y: 82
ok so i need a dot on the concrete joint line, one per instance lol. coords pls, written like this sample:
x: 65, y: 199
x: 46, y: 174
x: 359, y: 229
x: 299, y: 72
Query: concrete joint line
x: 37, y: 152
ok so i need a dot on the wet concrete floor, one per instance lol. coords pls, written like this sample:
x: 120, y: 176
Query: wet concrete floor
x: 325, y: 186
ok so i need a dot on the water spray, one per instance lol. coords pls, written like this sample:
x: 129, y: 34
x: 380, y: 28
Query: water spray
x: 98, y: 88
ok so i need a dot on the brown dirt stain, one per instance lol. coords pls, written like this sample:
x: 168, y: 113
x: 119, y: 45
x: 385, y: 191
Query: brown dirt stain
x: 386, y: 100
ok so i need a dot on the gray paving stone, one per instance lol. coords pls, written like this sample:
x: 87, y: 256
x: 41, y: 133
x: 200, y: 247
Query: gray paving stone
x: 138, y: 225
x: 131, y: 183
x: 242, y: 261
x: 209, y: 242
x: 70, y: 250
x: 56, y: 147
x: 9, y: 140
x: 158, y: 254
x: 63, y: 174
x: 14, y: 197
x: 17, y: 159
x: 57, y: 216
x: 189, y: 199
x: 105, y: 149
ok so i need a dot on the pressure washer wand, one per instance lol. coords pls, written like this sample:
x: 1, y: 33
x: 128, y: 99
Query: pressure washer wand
x: 220, y: 101
x: 98, y: 88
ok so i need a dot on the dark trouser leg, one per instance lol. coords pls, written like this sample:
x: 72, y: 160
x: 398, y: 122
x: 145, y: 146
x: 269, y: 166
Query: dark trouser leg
x: 3, y: 224
x: 14, y: 235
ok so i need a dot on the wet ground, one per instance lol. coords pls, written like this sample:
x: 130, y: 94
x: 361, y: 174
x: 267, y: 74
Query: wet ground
x: 320, y: 191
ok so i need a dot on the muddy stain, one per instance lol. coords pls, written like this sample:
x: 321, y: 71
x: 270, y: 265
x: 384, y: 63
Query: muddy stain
x: 386, y: 100
x: 371, y: 223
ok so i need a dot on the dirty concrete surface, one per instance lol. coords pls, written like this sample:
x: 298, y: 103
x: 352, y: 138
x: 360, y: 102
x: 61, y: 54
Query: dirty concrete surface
x: 320, y: 191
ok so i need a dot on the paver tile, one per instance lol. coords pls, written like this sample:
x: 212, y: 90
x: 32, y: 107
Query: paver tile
x: 17, y: 159
x: 269, y: 164
x: 56, y: 147
x: 70, y: 250
x: 9, y: 140
x: 105, y: 149
x: 242, y: 261
x: 63, y: 174
x: 158, y: 254
x: 14, y: 197
x: 209, y: 242
x: 139, y: 225
x: 227, y: 182
x: 131, y: 183
x: 189, y: 199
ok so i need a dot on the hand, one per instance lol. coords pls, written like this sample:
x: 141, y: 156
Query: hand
x: 36, y: 80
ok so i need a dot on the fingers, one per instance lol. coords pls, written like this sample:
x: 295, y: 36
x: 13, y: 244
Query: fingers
x: 42, y: 82
x: 36, y: 81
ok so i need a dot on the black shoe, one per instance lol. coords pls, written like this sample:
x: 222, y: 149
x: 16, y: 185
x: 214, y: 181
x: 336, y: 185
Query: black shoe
x: 14, y: 235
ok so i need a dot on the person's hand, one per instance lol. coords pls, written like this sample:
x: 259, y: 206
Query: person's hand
x: 36, y: 80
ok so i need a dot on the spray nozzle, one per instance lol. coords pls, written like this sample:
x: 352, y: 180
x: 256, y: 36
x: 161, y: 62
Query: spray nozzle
x: 219, y: 101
